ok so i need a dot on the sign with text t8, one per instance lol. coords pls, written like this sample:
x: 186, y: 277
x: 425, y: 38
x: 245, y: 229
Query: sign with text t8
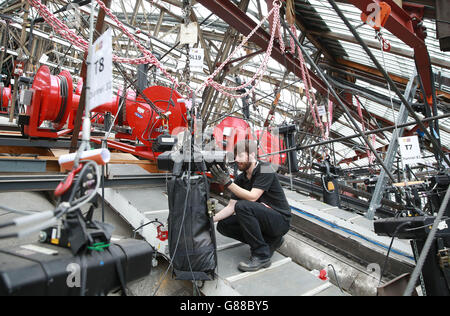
x: 100, y: 82
x: 410, y: 150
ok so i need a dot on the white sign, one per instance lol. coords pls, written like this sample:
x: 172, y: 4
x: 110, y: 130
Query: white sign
x: 410, y: 150
x: 196, y: 57
x: 100, y: 82
x: 44, y: 59
x: 321, y: 110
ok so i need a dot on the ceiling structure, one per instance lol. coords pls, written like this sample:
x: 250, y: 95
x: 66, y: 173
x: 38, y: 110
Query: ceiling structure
x: 323, y: 34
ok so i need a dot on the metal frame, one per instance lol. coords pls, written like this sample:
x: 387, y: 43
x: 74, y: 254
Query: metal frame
x: 19, y: 183
x: 401, y: 24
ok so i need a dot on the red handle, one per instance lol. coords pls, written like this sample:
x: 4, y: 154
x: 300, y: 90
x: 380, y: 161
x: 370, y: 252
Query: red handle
x: 67, y: 183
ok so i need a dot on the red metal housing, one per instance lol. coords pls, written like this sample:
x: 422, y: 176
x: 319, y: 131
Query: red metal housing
x: 5, y: 98
x: 233, y: 129
x: 52, y: 102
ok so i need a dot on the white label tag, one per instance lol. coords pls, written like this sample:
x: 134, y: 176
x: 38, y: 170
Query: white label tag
x: 44, y: 59
x: 442, y: 225
x: 410, y: 150
x: 38, y: 249
x: 227, y: 131
x: 321, y: 110
x: 101, y: 71
x: 196, y: 57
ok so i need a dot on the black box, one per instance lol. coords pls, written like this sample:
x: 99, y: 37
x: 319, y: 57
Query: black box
x: 25, y: 272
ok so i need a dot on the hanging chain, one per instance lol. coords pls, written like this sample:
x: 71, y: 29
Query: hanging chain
x: 187, y: 8
x: 187, y: 68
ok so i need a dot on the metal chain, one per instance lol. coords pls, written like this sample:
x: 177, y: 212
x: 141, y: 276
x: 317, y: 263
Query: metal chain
x: 80, y: 42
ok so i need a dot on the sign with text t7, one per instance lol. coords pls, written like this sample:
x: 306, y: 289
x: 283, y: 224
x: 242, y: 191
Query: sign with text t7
x: 410, y: 150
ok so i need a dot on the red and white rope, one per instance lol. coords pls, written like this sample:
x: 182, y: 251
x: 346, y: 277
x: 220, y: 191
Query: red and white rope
x: 261, y: 70
x: 63, y: 30
x: 80, y: 42
x: 310, y: 97
x: 370, y: 154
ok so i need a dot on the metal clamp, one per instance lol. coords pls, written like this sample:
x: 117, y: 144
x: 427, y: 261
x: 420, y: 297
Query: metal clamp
x: 211, y: 207
x: 444, y: 258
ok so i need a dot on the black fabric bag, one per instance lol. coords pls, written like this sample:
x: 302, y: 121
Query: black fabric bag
x: 192, y: 241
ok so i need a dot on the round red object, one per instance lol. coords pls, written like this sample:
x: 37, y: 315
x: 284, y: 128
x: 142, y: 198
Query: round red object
x: 54, y: 107
x: 233, y: 129
x: 146, y: 122
x: 230, y: 131
x: 269, y: 143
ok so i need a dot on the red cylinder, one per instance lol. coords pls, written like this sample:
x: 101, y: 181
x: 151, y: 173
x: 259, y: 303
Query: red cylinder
x: 230, y: 131
x: 56, y: 96
x: 270, y: 143
x: 6, y: 97
x: 233, y: 129
x: 147, y: 123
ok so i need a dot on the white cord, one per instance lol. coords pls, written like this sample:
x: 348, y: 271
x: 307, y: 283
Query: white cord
x: 82, y: 201
x: 393, y: 111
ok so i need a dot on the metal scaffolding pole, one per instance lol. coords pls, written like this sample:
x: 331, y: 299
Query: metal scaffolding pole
x: 389, y: 80
x: 341, y: 103
x: 340, y: 139
x: 393, y: 146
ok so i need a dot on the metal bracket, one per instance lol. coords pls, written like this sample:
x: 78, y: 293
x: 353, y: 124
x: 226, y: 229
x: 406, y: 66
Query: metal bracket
x: 444, y: 258
x: 211, y: 207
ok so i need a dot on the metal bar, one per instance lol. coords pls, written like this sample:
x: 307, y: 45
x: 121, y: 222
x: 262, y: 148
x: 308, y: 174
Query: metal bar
x: 388, y: 78
x: 384, y: 129
x: 81, y: 107
x: 22, y: 165
x: 392, y: 150
x: 354, y: 203
x: 25, y: 142
x: 427, y: 246
x: 50, y: 182
x: 344, y: 107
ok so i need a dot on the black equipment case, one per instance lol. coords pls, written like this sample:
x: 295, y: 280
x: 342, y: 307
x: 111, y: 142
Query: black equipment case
x: 192, y: 240
x: 25, y: 272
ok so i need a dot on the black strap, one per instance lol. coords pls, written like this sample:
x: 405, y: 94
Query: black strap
x: 119, y: 269
x: 445, y: 266
x: 44, y: 269
x: 211, y: 220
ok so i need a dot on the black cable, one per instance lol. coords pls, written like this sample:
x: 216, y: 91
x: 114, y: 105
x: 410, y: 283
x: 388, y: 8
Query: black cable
x: 335, y: 276
x: 146, y: 224
x: 78, y: 181
x: 182, y: 223
x: 397, y: 230
x: 139, y: 91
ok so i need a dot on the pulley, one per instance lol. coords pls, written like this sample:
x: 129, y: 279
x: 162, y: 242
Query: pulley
x: 56, y: 96
x: 147, y: 124
x: 51, y: 102
x: 378, y: 16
